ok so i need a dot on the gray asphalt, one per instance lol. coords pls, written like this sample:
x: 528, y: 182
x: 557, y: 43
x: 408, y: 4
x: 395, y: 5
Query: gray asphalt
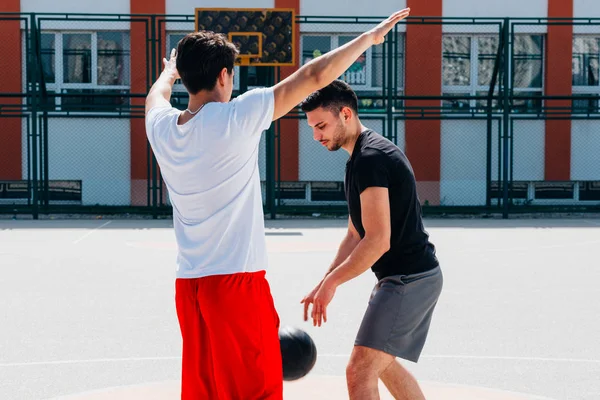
x: 86, y: 305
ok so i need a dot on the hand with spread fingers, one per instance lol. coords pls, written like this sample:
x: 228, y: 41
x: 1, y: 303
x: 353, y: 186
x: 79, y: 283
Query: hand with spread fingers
x: 171, y: 65
x: 321, y: 300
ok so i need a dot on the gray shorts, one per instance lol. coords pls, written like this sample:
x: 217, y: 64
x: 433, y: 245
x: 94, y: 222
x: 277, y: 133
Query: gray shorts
x: 399, y: 314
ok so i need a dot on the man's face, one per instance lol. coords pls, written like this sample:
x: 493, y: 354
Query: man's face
x: 329, y: 127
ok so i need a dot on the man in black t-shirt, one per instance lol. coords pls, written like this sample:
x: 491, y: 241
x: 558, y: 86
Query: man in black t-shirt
x: 385, y: 234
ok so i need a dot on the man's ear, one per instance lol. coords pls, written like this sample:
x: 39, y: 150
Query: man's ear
x: 347, y: 113
x: 222, y: 76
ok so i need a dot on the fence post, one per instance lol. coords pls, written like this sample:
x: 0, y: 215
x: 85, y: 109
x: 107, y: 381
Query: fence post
x: 392, y: 90
x: 506, y: 117
x: 34, y: 121
x: 272, y: 159
x: 155, y: 69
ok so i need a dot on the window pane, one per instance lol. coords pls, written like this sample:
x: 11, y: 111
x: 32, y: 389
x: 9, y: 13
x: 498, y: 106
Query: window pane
x: 483, y: 103
x: 377, y: 67
x: 77, y: 58
x: 93, y: 99
x: 461, y: 102
x: 488, y: 50
x: 586, y: 51
x: 589, y: 191
x: 528, y: 51
x: 48, y: 56
x: 173, y: 40
x: 457, y: 61
x: 533, y: 102
x: 357, y: 73
x: 113, y: 58
x: 314, y: 46
x: 587, y: 105
x: 554, y: 190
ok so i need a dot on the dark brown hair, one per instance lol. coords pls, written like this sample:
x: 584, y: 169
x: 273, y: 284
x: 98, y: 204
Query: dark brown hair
x: 335, y: 96
x: 201, y: 56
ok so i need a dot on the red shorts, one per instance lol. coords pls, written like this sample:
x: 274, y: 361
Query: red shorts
x: 230, y: 332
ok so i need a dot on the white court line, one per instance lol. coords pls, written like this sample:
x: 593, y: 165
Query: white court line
x: 92, y: 361
x: 90, y: 232
x: 465, y: 357
x: 490, y: 358
x: 530, y: 248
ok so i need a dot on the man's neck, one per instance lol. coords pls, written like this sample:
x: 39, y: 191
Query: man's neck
x: 353, y: 138
x: 197, y: 102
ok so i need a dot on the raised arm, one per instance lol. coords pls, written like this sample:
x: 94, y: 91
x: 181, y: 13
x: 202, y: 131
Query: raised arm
x: 160, y: 92
x: 323, y: 70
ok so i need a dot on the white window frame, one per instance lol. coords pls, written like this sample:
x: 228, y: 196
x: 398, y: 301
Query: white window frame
x: 590, y: 90
x: 334, y: 41
x: 475, y: 87
x: 540, y: 90
x: 58, y: 85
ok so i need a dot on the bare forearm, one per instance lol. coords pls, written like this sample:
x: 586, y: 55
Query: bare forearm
x: 333, y: 64
x: 163, y: 86
x: 317, y: 74
x: 345, y: 249
x: 364, y: 255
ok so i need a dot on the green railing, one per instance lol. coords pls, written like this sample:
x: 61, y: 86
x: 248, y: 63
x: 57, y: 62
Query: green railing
x: 79, y: 115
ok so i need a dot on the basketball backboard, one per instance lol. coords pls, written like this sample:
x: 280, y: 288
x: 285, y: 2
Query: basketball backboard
x: 265, y: 37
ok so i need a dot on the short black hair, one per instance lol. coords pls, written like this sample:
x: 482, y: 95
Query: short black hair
x: 334, y: 97
x: 201, y: 56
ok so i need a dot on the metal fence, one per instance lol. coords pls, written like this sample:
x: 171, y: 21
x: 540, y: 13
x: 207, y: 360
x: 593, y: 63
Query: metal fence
x: 477, y: 134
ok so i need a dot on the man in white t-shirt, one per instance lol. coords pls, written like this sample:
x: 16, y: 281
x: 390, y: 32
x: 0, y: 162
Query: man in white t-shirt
x: 208, y: 156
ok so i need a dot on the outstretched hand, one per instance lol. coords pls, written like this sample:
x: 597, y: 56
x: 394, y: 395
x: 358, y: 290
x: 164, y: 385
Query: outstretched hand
x: 170, y: 65
x: 378, y: 33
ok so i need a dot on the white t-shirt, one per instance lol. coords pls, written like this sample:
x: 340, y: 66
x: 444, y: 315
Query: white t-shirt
x: 210, y: 168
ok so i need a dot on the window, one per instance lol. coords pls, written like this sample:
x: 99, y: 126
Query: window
x: 586, y: 71
x: 468, y: 65
x: 528, y: 71
x: 86, y: 63
x: 467, y: 69
x: 367, y: 73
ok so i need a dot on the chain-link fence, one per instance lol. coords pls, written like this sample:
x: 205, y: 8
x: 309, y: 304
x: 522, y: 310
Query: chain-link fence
x: 491, y: 114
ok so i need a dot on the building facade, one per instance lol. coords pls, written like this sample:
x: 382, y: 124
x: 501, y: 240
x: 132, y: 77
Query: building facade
x: 455, y: 155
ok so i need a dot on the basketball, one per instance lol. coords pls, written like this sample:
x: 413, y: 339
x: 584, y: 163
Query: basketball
x: 298, y: 353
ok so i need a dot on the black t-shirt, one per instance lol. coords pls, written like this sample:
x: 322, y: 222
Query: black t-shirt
x: 376, y: 161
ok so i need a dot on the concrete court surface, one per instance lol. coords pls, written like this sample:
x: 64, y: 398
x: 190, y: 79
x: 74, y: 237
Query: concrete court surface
x: 87, y: 309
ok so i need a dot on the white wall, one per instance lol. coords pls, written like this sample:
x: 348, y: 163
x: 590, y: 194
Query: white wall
x: 494, y: 9
x: 319, y: 164
x: 80, y: 6
x: 96, y: 151
x: 262, y: 156
x: 186, y: 7
x: 487, y: 8
x: 401, y: 135
x: 463, y: 158
x: 586, y: 8
x: 463, y: 162
x: 529, y: 150
x: 585, y: 150
x: 351, y: 7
